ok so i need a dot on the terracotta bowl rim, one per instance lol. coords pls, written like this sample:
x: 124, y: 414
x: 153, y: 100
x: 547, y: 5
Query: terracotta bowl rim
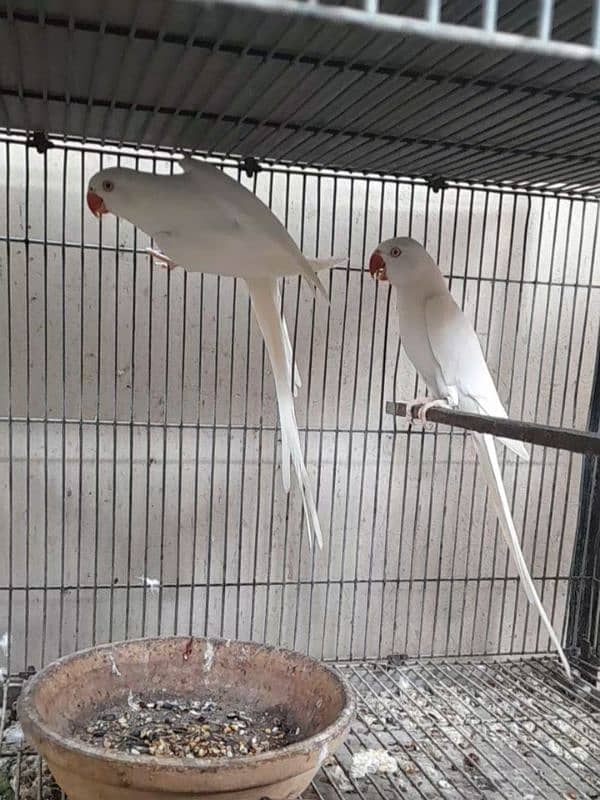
x: 43, y: 733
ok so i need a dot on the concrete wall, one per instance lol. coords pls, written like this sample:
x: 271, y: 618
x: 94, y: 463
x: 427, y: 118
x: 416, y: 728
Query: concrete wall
x: 185, y: 486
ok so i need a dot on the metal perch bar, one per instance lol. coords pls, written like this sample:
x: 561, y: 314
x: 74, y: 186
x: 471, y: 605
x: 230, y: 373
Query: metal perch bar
x: 545, y: 435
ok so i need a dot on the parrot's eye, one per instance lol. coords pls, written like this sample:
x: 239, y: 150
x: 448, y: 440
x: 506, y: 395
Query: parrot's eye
x: 395, y: 252
x: 108, y: 186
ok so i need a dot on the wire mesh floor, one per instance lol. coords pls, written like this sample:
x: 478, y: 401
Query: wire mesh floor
x: 425, y: 730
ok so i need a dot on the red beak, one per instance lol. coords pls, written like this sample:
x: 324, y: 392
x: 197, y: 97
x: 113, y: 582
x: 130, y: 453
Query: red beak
x: 96, y: 204
x: 377, y: 266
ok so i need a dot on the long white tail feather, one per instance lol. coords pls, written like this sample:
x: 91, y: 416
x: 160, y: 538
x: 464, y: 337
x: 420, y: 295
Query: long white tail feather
x: 264, y: 294
x: 286, y: 457
x: 310, y: 275
x: 488, y: 458
x: 517, y: 447
x: 289, y: 352
x: 325, y: 264
x: 296, y: 385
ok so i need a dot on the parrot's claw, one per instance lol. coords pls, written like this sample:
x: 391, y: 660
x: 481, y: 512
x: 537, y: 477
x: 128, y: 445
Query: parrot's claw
x: 417, y: 409
x: 413, y: 410
x: 160, y: 258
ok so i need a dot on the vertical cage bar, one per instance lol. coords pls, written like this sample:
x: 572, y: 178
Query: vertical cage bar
x: 27, y: 520
x: 490, y: 15
x: 391, y: 472
x: 63, y: 434
x: 197, y: 445
x: 411, y: 438
x: 595, y: 32
x: 303, y: 521
x: 149, y: 434
x: 536, y: 256
x: 585, y: 569
x: 308, y: 420
x: 473, y: 493
x: 115, y: 456
x: 260, y: 444
x: 178, y: 561
x: 45, y: 431
x: 546, y: 19
x: 436, y: 465
x: 131, y: 436
x: 80, y: 397
x: 9, y: 372
x: 434, y: 11
x: 522, y: 533
x: 354, y: 394
x: 338, y: 413
x: 286, y: 565
x: 378, y: 465
x: 228, y: 481
x: 97, y: 460
x: 325, y: 375
x: 463, y: 460
x: 162, y: 596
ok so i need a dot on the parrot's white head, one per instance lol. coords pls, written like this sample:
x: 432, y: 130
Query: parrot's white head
x: 120, y: 191
x: 400, y: 261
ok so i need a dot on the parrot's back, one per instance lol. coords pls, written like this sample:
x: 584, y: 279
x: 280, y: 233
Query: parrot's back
x: 208, y: 222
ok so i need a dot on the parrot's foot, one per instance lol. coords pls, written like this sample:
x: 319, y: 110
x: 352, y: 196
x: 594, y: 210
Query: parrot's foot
x: 418, y: 409
x: 161, y: 259
x: 413, y: 408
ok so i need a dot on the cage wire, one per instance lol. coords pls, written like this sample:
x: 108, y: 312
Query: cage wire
x: 140, y: 481
x: 510, y: 730
x: 475, y: 90
x: 139, y: 424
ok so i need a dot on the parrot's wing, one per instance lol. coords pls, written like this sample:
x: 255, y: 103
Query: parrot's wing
x: 458, y: 353
x: 457, y: 350
x: 251, y: 220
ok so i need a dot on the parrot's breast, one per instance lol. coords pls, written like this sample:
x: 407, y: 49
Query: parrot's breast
x: 415, y: 340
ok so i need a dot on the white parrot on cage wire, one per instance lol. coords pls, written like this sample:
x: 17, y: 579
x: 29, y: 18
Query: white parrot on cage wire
x: 205, y: 221
x: 444, y: 348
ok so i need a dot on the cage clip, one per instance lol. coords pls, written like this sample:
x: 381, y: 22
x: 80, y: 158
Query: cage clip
x: 251, y: 166
x: 588, y: 662
x: 397, y: 659
x: 40, y: 141
x: 435, y: 184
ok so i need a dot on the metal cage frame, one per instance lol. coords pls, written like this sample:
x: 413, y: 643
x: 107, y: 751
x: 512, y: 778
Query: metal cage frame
x: 520, y: 236
x: 477, y: 133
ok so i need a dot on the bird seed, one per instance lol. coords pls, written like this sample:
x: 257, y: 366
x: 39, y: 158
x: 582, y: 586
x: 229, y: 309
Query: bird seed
x: 187, y: 729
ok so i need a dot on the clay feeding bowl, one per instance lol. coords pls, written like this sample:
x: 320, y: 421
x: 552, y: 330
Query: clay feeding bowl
x: 62, y: 697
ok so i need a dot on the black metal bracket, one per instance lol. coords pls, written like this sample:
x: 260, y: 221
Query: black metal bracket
x: 436, y: 183
x: 251, y: 166
x: 583, y: 629
x: 40, y: 141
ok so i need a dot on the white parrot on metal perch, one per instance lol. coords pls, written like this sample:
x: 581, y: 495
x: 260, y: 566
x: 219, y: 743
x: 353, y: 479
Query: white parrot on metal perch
x: 444, y: 348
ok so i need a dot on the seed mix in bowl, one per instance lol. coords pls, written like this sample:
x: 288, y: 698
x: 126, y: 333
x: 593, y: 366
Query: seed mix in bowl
x: 188, y: 729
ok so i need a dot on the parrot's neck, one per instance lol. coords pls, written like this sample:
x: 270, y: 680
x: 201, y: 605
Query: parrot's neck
x: 425, y: 281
